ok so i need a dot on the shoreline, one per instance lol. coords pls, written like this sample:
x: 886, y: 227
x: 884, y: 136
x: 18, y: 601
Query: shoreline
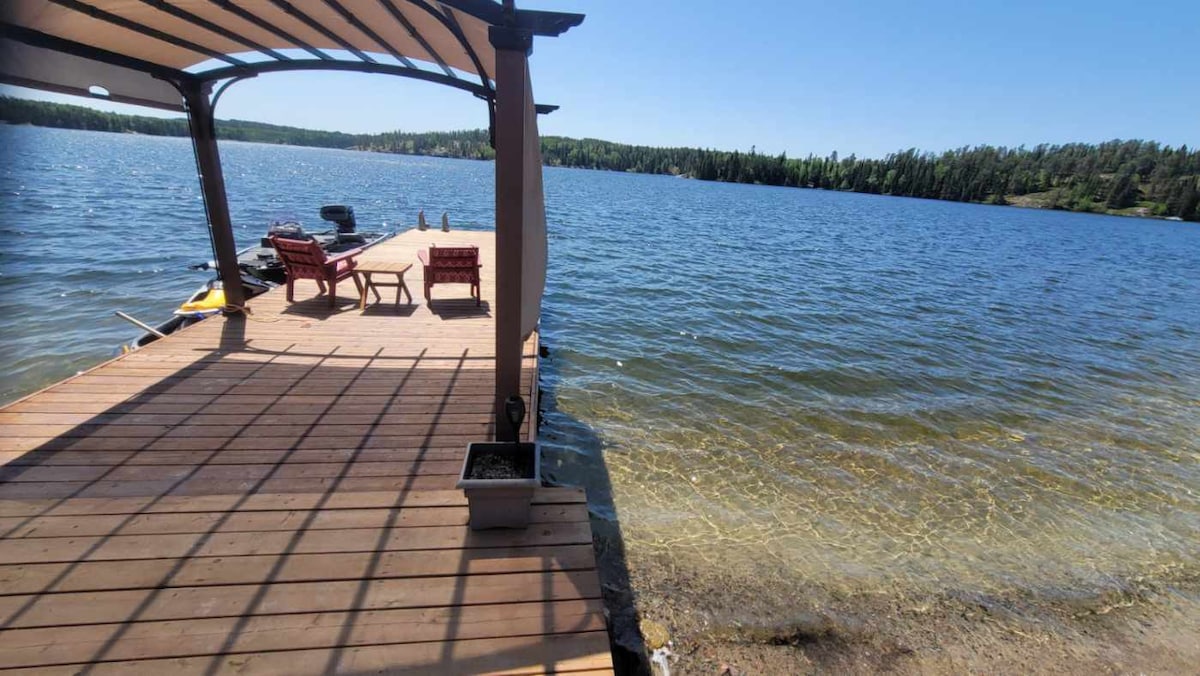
x: 724, y: 625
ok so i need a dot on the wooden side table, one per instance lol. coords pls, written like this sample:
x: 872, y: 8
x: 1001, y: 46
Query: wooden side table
x: 367, y: 269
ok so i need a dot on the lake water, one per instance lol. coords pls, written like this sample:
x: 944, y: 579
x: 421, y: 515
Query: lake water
x: 772, y: 389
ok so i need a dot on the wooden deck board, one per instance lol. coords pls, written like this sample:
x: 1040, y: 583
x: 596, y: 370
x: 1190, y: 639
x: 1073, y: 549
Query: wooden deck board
x: 276, y: 495
x: 570, y: 653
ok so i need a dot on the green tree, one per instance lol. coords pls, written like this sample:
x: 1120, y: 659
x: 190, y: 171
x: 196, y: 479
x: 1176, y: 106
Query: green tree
x: 1123, y: 192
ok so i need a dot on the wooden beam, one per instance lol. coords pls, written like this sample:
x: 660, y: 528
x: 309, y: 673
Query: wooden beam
x: 212, y: 184
x: 549, y: 24
x: 512, y: 51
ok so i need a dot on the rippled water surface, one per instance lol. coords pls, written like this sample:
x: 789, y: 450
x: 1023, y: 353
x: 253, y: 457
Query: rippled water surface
x: 786, y: 386
x: 870, y: 393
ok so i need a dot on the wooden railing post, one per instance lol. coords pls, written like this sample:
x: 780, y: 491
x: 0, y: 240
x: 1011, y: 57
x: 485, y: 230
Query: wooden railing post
x: 212, y: 185
x: 513, y: 46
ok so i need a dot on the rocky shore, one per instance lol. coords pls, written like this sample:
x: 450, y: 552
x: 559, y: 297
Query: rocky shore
x: 709, y: 623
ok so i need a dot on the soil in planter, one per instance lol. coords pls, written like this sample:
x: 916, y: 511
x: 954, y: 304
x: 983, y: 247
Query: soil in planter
x: 498, y: 464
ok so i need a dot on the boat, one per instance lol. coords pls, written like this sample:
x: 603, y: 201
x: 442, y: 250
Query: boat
x: 260, y: 260
x: 261, y: 270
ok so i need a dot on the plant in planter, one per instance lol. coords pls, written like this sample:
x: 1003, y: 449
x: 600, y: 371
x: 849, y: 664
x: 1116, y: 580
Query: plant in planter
x: 499, y: 477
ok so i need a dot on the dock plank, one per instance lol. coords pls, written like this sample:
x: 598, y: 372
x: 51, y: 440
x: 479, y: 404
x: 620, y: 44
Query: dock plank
x: 106, y: 525
x: 198, y: 637
x: 575, y: 653
x: 36, y: 578
x: 75, y: 608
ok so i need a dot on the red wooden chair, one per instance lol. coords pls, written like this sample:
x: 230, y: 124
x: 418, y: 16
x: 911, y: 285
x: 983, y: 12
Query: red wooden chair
x: 307, y: 260
x: 451, y: 265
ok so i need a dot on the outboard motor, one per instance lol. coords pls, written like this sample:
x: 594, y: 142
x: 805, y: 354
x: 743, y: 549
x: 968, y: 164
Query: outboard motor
x: 342, y: 215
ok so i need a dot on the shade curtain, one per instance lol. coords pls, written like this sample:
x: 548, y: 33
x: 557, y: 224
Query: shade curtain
x: 533, y: 227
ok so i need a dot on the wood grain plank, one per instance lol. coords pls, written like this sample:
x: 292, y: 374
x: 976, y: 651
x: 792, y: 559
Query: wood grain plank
x: 231, y: 457
x: 263, y: 500
x: 167, y: 546
x: 36, y: 578
x: 74, y: 608
x: 585, y: 652
x: 230, y: 635
x: 99, y: 525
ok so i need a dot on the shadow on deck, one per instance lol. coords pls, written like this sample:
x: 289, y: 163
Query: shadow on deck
x: 223, y: 502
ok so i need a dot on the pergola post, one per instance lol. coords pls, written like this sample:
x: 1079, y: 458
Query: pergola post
x: 513, y: 46
x: 212, y: 185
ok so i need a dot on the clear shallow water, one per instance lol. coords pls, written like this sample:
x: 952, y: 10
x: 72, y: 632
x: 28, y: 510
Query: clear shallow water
x: 786, y: 387
x: 868, y: 394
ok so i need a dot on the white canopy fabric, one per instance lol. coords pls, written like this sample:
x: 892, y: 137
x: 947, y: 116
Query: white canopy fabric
x: 533, y: 237
x: 39, y: 68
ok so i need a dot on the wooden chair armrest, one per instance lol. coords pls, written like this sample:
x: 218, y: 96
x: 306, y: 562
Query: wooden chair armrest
x: 348, y: 255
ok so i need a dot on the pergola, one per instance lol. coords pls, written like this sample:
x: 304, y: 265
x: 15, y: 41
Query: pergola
x: 171, y: 54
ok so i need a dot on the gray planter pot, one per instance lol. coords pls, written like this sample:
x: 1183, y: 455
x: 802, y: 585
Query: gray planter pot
x: 500, y: 502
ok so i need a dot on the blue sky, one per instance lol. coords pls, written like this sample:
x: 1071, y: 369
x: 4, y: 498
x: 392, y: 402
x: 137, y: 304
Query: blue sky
x: 856, y: 77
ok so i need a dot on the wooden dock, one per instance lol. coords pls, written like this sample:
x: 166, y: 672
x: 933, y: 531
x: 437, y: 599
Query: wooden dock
x: 275, y: 495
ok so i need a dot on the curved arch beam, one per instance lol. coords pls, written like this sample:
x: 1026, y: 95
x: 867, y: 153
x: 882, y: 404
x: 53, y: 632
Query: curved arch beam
x: 252, y: 69
x: 221, y: 90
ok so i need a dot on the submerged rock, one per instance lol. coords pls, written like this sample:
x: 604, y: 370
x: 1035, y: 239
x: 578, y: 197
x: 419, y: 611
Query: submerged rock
x: 655, y: 634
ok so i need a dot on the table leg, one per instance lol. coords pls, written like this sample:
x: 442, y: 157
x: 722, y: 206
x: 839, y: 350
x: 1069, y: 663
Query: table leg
x: 362, y: 298
x: 403, y: 287
x: 375, y: 290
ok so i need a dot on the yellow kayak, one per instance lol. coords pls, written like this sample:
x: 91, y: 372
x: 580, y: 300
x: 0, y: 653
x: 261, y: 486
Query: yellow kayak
x: 205, y: 301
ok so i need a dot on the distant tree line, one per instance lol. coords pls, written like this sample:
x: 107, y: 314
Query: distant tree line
x: 1125, y: 177
x: 472, y: 144
x: 45, y: 114
x: 1128, y: 177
